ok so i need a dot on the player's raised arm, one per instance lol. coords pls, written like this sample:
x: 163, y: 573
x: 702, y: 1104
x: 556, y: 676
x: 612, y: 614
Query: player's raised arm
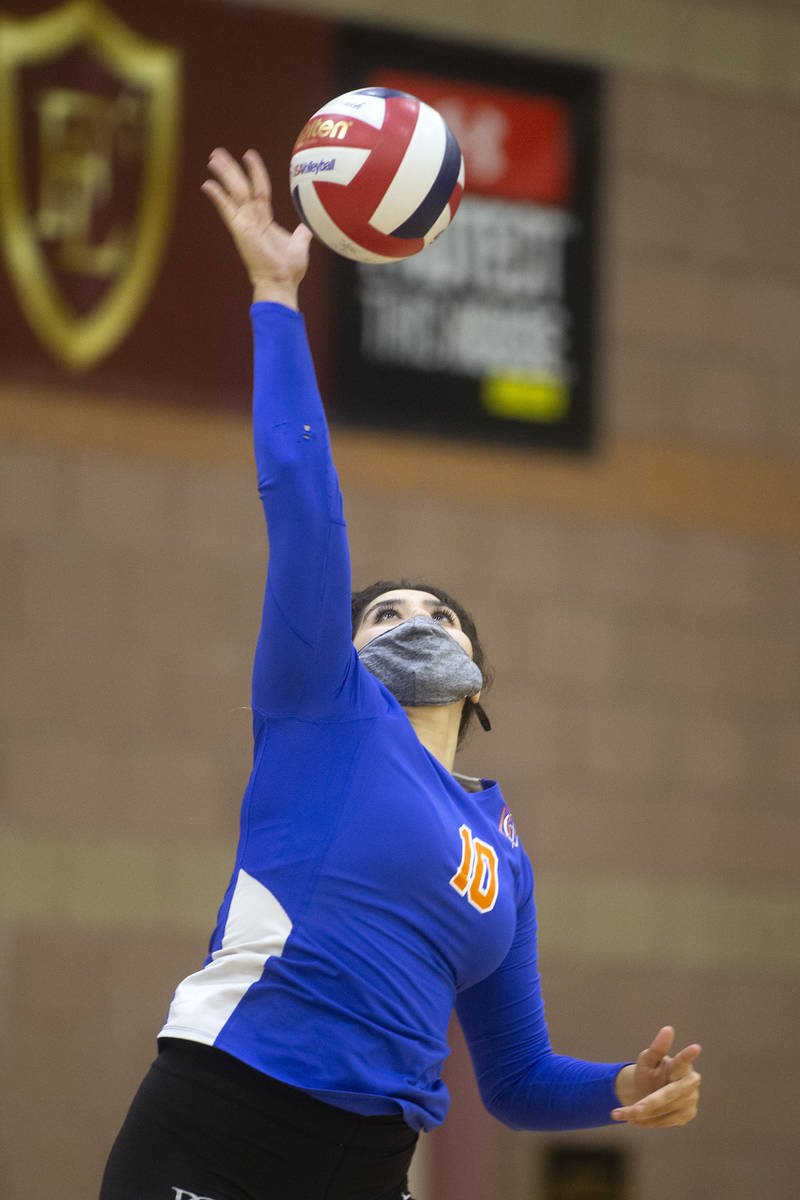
x: 305, y: 641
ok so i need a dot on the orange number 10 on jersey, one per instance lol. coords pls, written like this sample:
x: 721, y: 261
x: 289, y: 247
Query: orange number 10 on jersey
x: 476, y: 878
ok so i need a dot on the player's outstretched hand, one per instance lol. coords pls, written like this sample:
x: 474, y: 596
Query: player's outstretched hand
x: 276, y: 260
x: 659, y: 1090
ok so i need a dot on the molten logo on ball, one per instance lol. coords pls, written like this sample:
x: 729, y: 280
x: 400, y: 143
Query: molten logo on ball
x: 394, y: 183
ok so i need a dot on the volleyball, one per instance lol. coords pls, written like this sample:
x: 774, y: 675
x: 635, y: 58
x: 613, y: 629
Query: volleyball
x: 376, y: 174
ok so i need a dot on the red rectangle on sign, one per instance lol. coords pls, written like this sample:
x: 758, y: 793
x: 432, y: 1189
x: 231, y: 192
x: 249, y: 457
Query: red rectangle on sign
x: 515, y: 145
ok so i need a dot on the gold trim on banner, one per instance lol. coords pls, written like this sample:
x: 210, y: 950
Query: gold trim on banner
x: 79, y: 341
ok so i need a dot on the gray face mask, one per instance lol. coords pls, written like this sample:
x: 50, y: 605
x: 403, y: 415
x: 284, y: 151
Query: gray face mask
x: 421, y: 664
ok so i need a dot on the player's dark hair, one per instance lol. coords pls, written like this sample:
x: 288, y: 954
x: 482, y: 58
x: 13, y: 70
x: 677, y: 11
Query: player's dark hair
x: 361, y: 601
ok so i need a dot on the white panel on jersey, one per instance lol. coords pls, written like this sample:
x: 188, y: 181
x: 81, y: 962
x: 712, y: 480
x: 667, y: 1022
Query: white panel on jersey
x: 256, y: 929
x: 369, y: 109
x: 416, y: 174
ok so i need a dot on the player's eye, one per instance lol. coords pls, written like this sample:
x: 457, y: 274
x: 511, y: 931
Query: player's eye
x: 445, y: 614
x: 385, y: 612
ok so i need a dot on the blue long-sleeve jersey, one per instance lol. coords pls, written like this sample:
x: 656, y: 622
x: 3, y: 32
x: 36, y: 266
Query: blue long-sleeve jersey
x: 371, y: 892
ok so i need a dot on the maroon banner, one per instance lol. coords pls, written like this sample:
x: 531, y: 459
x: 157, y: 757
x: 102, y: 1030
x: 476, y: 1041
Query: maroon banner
x: 117, y: 274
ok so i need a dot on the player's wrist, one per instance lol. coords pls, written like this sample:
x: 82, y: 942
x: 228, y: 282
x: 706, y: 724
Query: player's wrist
x: 625, y: 1085
x: 273, y: 292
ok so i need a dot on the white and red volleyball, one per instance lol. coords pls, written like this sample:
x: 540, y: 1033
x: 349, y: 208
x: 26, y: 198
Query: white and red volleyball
x: 376, y: 174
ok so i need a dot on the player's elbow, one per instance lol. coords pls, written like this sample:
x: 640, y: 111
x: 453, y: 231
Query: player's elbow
x: 502, y: 1104
x: 521, y: 1108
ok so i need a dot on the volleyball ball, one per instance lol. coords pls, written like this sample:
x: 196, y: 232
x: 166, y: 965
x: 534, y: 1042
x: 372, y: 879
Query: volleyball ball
x: 376, y: 174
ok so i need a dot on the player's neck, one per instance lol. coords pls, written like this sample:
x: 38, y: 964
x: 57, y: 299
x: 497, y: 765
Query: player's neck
x: 436, y: 726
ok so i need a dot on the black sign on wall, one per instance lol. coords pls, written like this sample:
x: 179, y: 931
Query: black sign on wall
x: 489, y: 332
x: 585, y: 1173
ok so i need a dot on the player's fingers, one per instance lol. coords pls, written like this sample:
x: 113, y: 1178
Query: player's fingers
x: 259, y: 176
x: 682, y: 1063
x: 226, y: 207
x: 682, y: 1093
x: 678, y: 1116
x: 230, y: 174
x: 674, y: 1108
x: 659, y: 1046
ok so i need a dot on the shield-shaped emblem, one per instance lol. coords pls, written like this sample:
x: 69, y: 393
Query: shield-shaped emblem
x: 89, y: 126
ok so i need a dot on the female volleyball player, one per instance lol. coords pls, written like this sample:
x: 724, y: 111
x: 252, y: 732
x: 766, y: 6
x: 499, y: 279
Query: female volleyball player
x: 373, y: 889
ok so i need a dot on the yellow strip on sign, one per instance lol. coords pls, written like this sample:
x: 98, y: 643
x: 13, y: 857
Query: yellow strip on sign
x: 542, y: 398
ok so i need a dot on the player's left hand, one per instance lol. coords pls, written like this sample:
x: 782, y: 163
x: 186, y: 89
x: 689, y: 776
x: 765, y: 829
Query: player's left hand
x: 659, y: 1090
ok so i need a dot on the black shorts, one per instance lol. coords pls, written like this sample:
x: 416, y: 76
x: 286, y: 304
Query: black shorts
x: 204, y: 1126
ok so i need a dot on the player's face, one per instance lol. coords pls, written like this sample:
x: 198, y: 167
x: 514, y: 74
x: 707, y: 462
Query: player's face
x: 390, y: 608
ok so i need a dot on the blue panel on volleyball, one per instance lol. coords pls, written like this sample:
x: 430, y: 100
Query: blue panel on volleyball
x: 420, y: 221
x: 383, y: 92
x: 299, y: 206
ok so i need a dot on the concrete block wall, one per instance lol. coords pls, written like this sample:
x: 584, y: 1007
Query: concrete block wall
x: 701, y: 268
